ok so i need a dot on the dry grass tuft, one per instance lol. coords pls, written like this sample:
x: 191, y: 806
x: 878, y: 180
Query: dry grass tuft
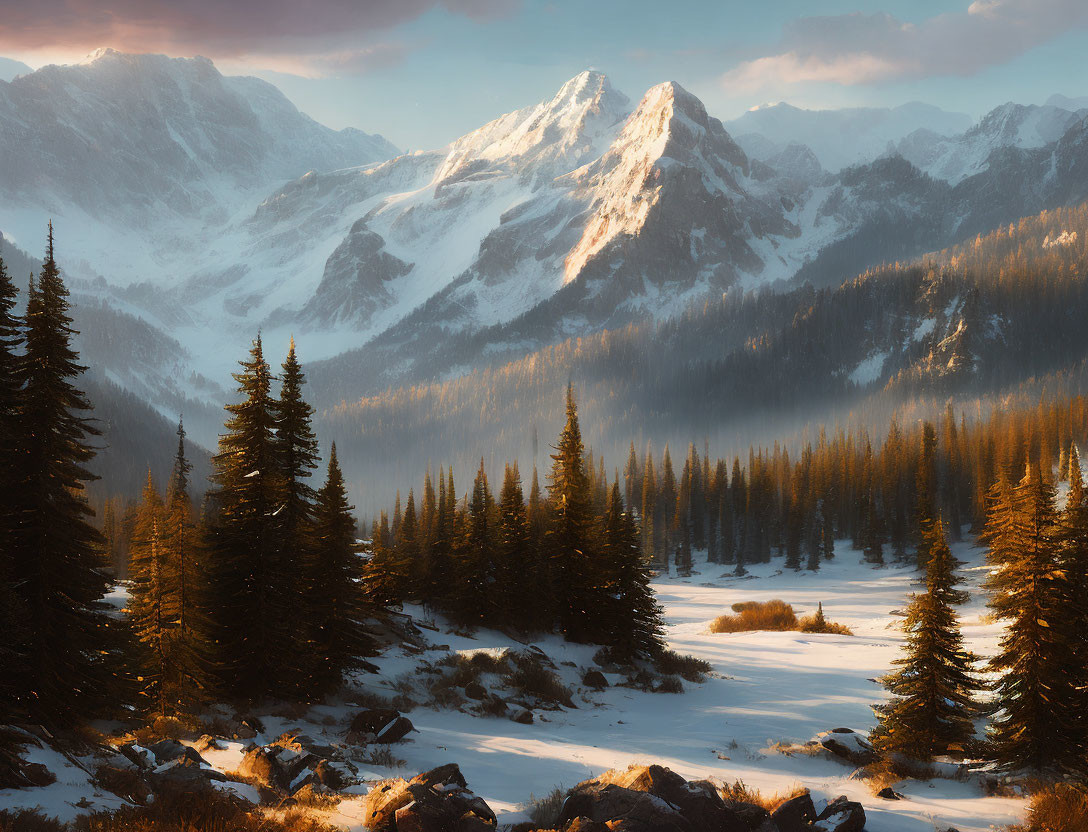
x: 544, y: 811
x: 777, y: 616
x: 739, y: 792
x: 1061, y: 807
x: 756, y: 615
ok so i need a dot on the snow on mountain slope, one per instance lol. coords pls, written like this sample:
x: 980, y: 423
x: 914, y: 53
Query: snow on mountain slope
x: 145, y: 154
x: 954, y: 158
x: 10, y: 69
x: 839, y: 138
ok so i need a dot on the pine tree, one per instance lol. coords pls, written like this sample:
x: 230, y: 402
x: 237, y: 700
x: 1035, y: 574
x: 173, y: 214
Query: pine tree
x: 517, y: 572
x: 254, y: 647
x: 1033, y: 694
x: 632, y: 624
x: 933, y: 693
x: 570, y: 540
x: 181, y: 541
x: 295, y: 448
x: 73, y: 645
x: 337, y: 605
x: 1072, y: 612
x: 477, y: 584
x: 14, y: 656
x: 152, y: 604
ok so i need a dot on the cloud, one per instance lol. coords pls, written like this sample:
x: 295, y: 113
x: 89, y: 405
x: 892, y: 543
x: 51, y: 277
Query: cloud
x: 335, y: 35
x: 861, y: 48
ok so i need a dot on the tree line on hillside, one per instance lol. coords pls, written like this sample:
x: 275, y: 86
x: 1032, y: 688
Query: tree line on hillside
x: 972, y: 321
x: 570, y: 562
x: 774, y: 504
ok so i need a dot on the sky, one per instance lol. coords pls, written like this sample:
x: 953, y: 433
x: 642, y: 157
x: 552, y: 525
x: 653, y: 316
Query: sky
x: 422, y: 72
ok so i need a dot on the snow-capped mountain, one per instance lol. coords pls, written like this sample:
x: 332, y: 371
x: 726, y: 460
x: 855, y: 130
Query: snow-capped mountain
x: 141, y: 147
x: 9, y: 69
x: 954, y: 158
x: 842, y: 137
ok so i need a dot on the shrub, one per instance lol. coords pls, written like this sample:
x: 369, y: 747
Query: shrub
x: 28, y: 820
x: 738, y: 792
x: 383, y: 757
x: 756, y: 615
x: 690, y: 668
x: 204, y: 811
x: 1061, y: 807
x: 531, y: 678
x: 774, y: 615
x: 670, y: 684
x: 544, y: 811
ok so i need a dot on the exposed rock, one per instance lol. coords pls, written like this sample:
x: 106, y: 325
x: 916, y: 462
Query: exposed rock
x: 795, y: 814
x: 651, y: 798
x: 185, y: 774
x: 848, y: 745
x: 623, y: 809
x: 523, y: 716
x: 595, y: 679
x: 166, y: 750
x: 474, y: 690
x: 434, y: 801
x: 383, y: 725
x: 841, y: 815
x: 381, y: 805
x: 755, y: 818
x: 888, y: 793
x: 207, y: 742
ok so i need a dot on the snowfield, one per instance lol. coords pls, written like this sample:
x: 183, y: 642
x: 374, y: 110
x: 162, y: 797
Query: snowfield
x: 766, y: 688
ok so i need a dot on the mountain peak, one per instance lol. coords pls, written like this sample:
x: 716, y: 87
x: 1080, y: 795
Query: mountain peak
x: 563, y: 133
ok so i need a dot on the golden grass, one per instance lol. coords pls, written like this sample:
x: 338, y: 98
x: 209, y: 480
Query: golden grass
x: 776, y: 615
x: 739, y: 792
x: 1057, y: 808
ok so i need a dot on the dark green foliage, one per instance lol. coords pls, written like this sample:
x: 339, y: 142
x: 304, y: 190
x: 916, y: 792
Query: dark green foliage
x: 72, y: 644
x: 933, y: 692
x: 253, y: 591
x: 337, y: 610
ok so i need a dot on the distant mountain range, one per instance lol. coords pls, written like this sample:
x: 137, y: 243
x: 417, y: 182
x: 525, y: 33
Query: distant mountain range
x: 194, y: 209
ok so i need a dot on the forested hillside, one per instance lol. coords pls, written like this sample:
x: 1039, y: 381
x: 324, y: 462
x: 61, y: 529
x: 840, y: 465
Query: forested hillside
x: 967, y: 322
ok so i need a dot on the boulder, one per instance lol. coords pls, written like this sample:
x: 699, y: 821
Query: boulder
x: 184, y: 774
x: 698, y: 801
x: 795, y: 814
x: 523, y: 716
x: 328, y: 776
x: 441, y: 802
x: 259, y: 765
x: 888, y: 793
x: 381, y: 805
x: 474, y: 690
x: 207, y: 742
x: 848, y: 745
x: 755, y: 818
x: 383, y: 725
x: 166, y: 750
x: 595, y: 679
x: 622, y: 809
x: 35, y: 775
x: 447, y: 775
x: 841, y: 815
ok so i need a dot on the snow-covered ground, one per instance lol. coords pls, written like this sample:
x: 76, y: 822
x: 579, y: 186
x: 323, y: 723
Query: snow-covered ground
x: 766, y: 688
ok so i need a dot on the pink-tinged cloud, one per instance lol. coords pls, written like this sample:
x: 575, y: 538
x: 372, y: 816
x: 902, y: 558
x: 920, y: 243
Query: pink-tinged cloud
x: 863, y: 48
x: 330, y: 34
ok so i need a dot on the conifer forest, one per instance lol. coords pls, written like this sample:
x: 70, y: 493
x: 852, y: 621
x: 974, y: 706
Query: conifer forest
x: 668, y: 463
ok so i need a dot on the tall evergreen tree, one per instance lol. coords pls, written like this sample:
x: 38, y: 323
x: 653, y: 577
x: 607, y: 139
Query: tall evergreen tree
x: 337, y: 605
x: 14, y: 655
x: 933, y: 692
x: 517, y: 573
x: 73, y: 644
x: 632, y: 624
x: 1033, y: 723
x: 254, y: 646
x: 570, y: 540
